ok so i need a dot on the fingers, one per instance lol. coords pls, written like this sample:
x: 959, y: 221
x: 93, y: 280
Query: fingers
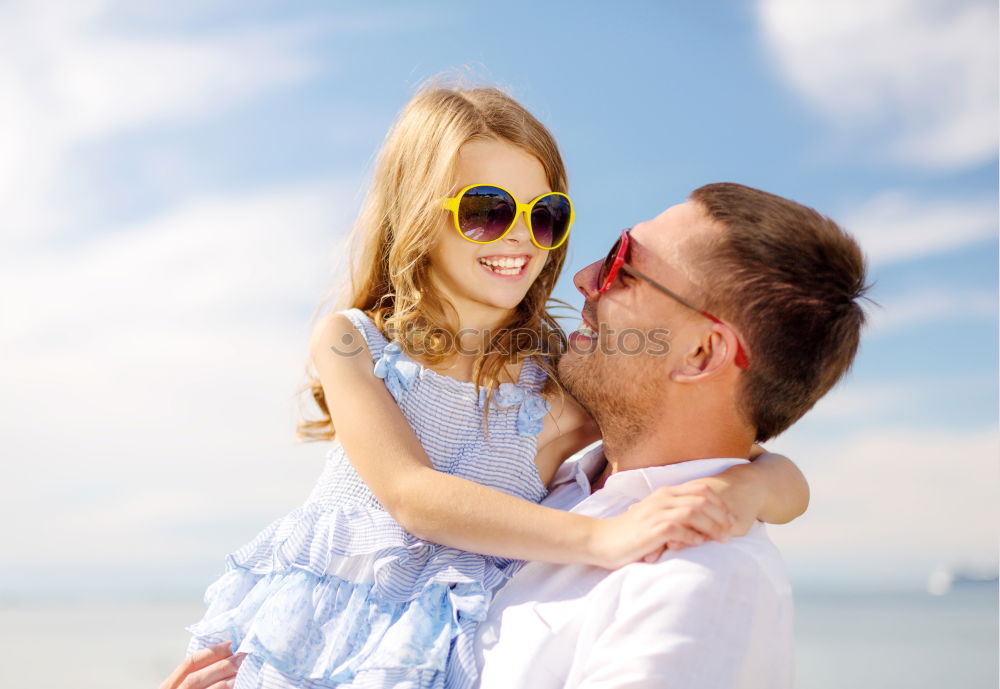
x: 694, y: 488
x: 706, y: 493
x: 701, y: 509
x: 224, y: 684
x: 196, y: 661
x: 682, y: 533
x: 680, y: 537
x: 219, y: 674
x: 671, y: 545
x: 655, y: 554
x: 703, y: 490
x: 674, y: 546
x: 708, y: 520
x: 664, y: 519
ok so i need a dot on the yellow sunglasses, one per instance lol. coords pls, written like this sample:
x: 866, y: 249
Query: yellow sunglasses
x: 485, y: 213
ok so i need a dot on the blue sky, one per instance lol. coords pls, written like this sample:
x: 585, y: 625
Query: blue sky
x: 178, y: 178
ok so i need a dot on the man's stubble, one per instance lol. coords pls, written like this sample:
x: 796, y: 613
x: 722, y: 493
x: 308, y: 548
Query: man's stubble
x: 622, y: 392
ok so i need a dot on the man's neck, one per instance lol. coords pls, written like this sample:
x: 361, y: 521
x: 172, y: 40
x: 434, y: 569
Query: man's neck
x: 663, y: 447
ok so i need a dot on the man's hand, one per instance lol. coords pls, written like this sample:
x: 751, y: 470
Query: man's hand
x: 210, y: 668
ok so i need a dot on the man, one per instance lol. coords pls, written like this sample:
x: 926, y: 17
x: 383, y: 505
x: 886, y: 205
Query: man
x: 761, y: 297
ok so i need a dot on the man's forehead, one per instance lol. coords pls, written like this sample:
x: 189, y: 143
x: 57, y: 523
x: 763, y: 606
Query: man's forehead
x: 668, y: 237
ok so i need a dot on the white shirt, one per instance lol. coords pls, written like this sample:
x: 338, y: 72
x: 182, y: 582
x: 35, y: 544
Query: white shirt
x: 713, y: 616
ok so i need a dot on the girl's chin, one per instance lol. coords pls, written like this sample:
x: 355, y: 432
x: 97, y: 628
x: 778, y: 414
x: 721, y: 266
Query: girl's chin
x: 495, y: 293
x: 505, y: 304
x: 502, y: 299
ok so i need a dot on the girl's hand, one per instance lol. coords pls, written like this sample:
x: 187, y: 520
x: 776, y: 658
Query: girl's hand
x: 210, y: 668
x: 742, y: 494
x: 671, y: 517
x: 770, y: 489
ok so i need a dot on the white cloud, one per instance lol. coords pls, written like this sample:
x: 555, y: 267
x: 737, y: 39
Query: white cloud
x: 914, y: 78
x: 149, y: 369
x: 215, y: 256
x: 69, y: 78
x: 928, y: 306
x: 892, y: 504
x: 857, y: 401
x: 148, y: 378
x: 893, y: 226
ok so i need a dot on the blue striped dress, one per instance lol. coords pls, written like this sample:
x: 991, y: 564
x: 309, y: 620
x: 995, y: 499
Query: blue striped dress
x: 337, y: 594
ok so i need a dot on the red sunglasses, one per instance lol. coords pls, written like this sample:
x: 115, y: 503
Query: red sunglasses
x: 618, y: 259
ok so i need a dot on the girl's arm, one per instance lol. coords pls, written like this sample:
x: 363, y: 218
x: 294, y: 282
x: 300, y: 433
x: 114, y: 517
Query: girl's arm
x: 786, y: 492
x: 769, y: 489
x: 446, y: 509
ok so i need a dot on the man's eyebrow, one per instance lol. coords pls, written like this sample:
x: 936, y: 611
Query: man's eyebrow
x: 636, y: 253
x: 646, y: 260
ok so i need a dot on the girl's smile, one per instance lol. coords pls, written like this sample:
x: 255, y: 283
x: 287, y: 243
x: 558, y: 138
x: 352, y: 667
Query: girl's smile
x: 506, y: 266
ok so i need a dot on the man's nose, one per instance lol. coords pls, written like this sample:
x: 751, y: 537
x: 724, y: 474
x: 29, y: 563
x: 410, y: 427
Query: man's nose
x: 586, y: 280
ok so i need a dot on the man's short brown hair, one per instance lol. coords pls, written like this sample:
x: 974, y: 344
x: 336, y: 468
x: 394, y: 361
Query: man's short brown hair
x: 791, y: 281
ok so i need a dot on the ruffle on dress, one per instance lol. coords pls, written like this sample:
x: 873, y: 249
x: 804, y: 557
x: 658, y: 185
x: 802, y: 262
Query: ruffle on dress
x: 397, y: 372
x: 533, y: 407
x: 325, y: 628
x: 340, y: 595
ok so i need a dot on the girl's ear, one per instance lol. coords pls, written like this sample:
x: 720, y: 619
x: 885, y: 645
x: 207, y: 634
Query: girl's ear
x: 708, y: 356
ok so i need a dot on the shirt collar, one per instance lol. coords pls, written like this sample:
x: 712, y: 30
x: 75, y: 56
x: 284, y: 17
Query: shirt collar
x: 639, y: 483
x: 581, y: 468
x: 584, y: 466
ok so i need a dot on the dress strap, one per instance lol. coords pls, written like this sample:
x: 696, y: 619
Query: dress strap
x: 391, y: 364
x: 375, y: 340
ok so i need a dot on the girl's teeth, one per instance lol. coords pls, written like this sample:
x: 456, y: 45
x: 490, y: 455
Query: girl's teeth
x: 504, y: 266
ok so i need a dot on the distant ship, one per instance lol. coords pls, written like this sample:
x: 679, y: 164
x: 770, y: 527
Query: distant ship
x: 945, y: 579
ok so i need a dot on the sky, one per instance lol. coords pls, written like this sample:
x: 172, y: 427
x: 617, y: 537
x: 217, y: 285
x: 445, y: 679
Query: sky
x: 177, y: 180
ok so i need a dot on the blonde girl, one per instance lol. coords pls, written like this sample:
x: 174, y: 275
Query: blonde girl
x: 437, y: 385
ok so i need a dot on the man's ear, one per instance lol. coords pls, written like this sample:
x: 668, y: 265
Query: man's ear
x: 710, y: 355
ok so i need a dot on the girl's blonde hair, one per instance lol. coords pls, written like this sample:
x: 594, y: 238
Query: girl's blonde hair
x: 401, y: 220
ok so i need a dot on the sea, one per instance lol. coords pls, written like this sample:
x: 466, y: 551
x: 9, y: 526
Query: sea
x: 860, y: 640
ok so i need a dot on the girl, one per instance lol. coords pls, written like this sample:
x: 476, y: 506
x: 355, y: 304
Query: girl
x: 449, y: 423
